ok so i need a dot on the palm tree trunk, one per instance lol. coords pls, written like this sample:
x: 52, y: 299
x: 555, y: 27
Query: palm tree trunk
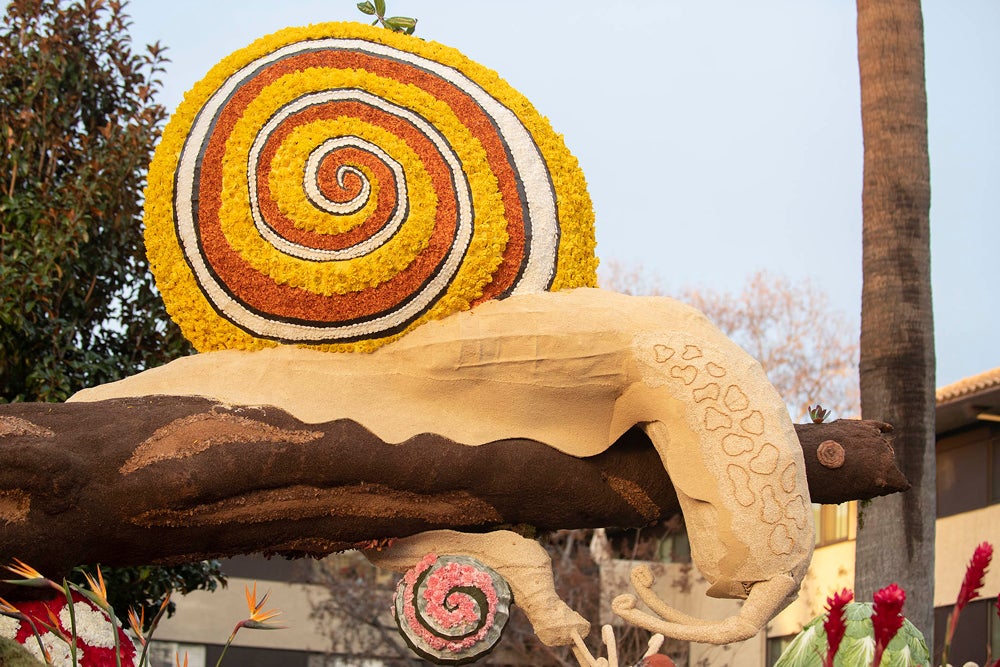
x: 896, y: 543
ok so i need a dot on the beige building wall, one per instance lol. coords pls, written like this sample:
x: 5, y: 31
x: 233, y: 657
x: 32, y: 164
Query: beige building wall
x: 209, y: 618
x: 957, y: 537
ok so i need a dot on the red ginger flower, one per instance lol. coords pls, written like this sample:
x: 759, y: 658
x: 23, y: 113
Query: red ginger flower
x: 974, y: 574
x: 834, y: 623
x: 969, y: 591
x: 887, y: 617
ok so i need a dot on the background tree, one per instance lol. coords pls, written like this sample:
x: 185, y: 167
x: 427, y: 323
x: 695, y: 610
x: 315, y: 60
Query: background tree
x: 897, y: 325
x: 808, y: 350
x: 78, y: 123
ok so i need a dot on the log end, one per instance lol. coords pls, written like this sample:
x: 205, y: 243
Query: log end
x: 850, y: 459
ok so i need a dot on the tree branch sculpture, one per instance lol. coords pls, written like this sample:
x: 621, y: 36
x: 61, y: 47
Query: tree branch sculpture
x: 172, y: 479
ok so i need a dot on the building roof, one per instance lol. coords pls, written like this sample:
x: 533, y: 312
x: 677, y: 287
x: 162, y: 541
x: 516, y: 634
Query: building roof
x: 968, y: 386
x: 968, y: 401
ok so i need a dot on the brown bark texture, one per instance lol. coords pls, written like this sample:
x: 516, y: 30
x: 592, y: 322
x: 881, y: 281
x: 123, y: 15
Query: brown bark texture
x: 175, y: 479
x: 896, y: 543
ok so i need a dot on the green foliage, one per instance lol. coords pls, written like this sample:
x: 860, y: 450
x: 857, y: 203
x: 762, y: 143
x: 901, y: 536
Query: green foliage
x: 818, y: 414
x: 13, y: 654
x: 403, y: 24
x: 77, y: 128
x: 78, y: 124
x: 907, y: 648
x: 145, y: 587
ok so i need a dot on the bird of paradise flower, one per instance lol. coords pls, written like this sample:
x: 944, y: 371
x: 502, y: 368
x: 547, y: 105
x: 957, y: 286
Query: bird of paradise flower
x: 259, y: 619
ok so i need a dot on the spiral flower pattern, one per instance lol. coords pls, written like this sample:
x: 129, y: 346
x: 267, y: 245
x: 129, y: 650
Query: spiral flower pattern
x: 338, y: 185
x: 452, y: 609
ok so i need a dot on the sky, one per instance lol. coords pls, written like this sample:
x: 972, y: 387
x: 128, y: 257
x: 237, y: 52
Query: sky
x: 718, y: 137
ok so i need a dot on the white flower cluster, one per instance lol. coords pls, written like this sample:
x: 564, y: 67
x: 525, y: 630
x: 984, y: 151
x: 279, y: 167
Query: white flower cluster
x: 92, y: 625
x: 57, y: 648
x: 9, y: 627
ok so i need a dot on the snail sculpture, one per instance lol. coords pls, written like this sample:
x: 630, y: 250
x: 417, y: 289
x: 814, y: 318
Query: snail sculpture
x: 355, y: 224
x: 575, y: 370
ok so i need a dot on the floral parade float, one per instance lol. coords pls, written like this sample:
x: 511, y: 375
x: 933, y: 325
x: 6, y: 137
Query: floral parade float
x: 385, y: 257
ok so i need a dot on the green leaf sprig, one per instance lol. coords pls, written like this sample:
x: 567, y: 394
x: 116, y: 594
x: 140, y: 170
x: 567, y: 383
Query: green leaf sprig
x: 403, y: 24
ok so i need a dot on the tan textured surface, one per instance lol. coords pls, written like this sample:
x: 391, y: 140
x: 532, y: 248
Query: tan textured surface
x: 14, y: 506
x: 360, y: 500
x: 831, y: 453
x: 18, y: 426
x: 636, y: 497
x: 192, y: 435
x: 514, y: 363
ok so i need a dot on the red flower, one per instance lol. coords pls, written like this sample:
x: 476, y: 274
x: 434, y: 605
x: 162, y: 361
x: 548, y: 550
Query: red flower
x: 834, y: 624
x: 92, y: 633
x: 974, y: 575
x: 969, y: 591
x: 656, y: 660
x: 887, y: 617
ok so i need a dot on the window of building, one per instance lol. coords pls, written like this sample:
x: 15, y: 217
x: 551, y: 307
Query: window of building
x: 338, y: 661
x: 978, y: 629
x: 968, y: 470
x: 962, y: 477
x: 775, y: 647
x: 674, y: 548
x: 995, y: 474
x: 258, y: 656
x: 833, y: 523
x: 994, y: 620
x: 163, y: 654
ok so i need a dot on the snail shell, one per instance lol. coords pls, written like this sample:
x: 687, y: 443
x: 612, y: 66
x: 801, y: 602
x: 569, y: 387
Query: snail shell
x: 338, y: 185
x: 452, y: 609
